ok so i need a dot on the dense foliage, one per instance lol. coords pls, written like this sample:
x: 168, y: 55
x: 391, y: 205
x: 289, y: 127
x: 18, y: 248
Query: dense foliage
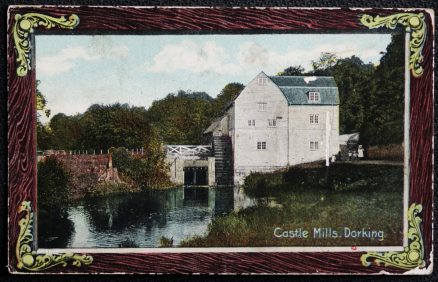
x: 53, y: 195
x: 384, y: 103
x: 43, y: 132
x: 41, y: 102
x: 144, y: 170
x: 102, y: 127
x: 371, y: 97
x: 316, y: 176
x: 53, y: 180
x: 177, y: 119
x: 99, y: 128
x: 226, y: 97
x: 182, y: 118
x: 292, y: 71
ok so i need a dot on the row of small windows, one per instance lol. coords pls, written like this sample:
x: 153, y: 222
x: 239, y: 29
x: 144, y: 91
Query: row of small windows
x: 271, y: 122
x: 314, y: 145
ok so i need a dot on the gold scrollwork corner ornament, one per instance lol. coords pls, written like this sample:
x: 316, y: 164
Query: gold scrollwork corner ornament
x: 24, y: 26
x: 413, y: 254
x: 415, y: 24
x: 30, y: 260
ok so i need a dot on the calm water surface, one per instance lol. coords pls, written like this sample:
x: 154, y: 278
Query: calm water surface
x: 141, y: 219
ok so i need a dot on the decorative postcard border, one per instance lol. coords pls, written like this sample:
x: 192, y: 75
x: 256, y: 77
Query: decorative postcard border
x: 25, y: 20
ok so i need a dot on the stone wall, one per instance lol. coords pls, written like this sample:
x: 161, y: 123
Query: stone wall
x: 86, y: 170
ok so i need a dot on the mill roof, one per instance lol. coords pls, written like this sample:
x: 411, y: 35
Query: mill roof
x: 213, y: 126
x: 296, y: 88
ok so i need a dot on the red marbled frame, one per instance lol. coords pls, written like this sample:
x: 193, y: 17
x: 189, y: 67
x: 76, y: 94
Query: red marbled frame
x: 95, y: 20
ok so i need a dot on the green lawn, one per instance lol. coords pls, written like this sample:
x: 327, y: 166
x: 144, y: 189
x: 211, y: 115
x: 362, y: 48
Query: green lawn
x: 355, y: 196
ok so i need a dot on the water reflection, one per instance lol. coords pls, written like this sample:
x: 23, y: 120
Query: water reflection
x: 55, y: 227
x: 141, y: 219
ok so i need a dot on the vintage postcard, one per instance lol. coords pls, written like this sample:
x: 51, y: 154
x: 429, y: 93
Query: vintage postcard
x: 220, y: 140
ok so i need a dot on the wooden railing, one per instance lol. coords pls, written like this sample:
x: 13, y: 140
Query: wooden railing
x: 188, y: 150
x: 136, y: 151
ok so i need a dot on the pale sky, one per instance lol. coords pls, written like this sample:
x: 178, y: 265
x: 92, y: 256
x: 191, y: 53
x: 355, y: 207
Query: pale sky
x: 77, y: 71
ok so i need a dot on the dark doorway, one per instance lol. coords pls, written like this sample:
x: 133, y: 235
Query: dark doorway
x: 196, y: 176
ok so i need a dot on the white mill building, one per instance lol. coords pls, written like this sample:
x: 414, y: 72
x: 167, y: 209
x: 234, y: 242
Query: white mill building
x: 277, y: 121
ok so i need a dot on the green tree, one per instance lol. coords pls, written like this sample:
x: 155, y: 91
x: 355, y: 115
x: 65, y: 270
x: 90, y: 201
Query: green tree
x: 292, y: 71
x: 41, y: 101
x: 324, y: 65
x: 226, y: 97
x: 116, y: 125
x: 352, y: 77
x: 181, y: 118
x: 65, y: 132
x: 383, y: 123
x: 53, y: 188
x: 147, y: 170
x: 53, y: 194
x: 43, y: 131
x: 44, y: 136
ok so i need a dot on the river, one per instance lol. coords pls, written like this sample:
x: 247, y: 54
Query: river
x: 142, y: 219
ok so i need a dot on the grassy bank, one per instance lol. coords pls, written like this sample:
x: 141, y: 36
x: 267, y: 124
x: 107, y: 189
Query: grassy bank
x: 309, y: 197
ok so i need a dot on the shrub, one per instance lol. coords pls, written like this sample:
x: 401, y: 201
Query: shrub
x: 148, y: 170
x: 295, y: 175
x: 53, y: 184
x: 261, y: 185
x: 53, y: 195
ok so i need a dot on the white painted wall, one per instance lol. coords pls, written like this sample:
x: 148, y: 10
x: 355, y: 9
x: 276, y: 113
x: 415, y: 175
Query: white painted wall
x: 247, y: 157
x: 286, y: 144
x: 302, y: 132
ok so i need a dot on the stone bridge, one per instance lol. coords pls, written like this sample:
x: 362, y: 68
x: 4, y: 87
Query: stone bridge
x: 191, y: 164
x: 202, y: 164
